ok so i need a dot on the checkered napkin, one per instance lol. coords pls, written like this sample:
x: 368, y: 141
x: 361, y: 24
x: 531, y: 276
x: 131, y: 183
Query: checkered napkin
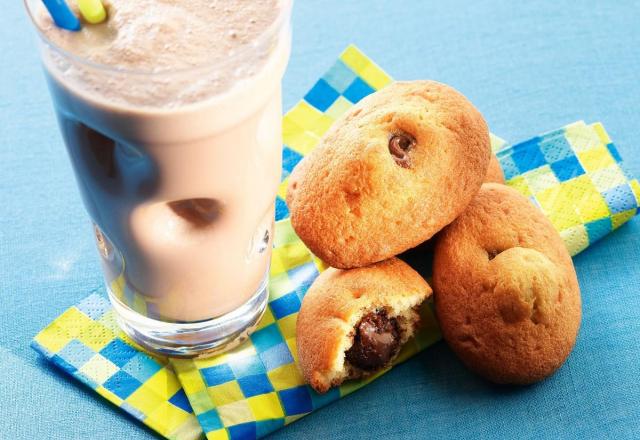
x: 86, y: 342
x: 574, y: 175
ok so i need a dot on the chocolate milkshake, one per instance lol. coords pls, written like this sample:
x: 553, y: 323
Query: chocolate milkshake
x: 171, y: 113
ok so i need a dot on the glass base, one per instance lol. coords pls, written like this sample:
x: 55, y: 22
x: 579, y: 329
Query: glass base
x: 197, y: 339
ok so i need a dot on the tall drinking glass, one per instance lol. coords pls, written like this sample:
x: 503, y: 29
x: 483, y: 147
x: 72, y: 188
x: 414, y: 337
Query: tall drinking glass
x: 178, y: 171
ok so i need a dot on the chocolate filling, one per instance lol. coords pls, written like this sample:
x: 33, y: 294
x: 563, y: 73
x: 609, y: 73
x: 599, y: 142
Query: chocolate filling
x: 399, y: 146
x: 376, y: 341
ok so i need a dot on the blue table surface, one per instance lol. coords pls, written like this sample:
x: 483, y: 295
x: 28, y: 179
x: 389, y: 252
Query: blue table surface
x: 529, y: 69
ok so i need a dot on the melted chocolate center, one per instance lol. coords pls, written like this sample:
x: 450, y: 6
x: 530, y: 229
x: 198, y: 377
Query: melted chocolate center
x: 376, y: 341
x: 399, y: 146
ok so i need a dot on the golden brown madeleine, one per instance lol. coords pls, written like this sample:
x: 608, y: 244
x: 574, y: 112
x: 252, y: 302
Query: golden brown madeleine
x: 505, y: 289
x: 353, y: 323
x: 389, y: 174
x: 494, y: 172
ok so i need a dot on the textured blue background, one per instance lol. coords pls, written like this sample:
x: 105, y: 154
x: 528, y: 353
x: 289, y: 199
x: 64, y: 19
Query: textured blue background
x: 529, y: 69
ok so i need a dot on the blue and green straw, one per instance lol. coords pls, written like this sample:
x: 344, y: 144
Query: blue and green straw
x: 92, y: 11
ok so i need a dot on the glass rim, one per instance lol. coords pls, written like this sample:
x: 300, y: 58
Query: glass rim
x: 283, y: 19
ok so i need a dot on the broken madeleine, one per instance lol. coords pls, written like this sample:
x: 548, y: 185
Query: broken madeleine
x: 354, y: 322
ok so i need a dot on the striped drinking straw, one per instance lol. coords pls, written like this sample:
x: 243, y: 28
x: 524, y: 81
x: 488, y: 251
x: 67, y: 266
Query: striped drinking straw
x: 92, y: 11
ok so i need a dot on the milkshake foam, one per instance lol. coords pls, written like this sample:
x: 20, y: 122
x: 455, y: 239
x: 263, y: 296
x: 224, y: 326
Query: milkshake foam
x: 165, y: 36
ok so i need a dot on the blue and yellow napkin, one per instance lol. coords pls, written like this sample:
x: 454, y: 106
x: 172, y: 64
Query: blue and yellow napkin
x: 86, y: 342
x: 574, y: 174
